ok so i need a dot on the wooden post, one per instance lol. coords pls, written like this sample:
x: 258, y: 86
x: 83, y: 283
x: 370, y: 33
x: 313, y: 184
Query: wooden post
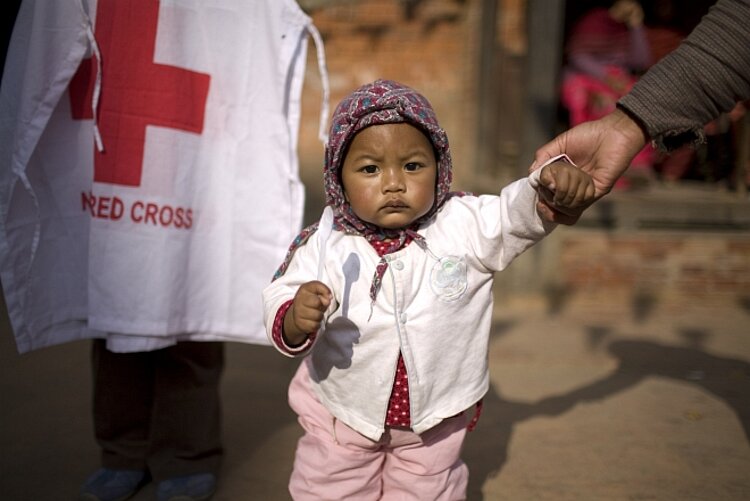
x: 487, y: 90
x: 546, y: 20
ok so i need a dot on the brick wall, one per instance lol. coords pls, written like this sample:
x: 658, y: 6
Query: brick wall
x: 684, y: 266
x: 431, y: 47
x: 632, y: 269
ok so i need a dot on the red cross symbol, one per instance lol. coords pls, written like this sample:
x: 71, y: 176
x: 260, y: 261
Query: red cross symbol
x: 135, y: 91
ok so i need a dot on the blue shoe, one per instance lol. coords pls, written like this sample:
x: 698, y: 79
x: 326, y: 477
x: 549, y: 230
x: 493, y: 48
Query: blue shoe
x: 112, y: 485
x: 198, y: 487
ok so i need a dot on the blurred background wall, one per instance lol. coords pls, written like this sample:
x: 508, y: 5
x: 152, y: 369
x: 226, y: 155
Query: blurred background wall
x: 492, y: 70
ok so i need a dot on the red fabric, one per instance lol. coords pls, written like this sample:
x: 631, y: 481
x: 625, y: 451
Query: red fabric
x: 398, y: 405
x: 277, y: 334
x: 136, y: 92
x: 598, y: 34
x: 588, y: 98
x: 477, y: 413
x: 601, y: 56
x: 399, y: 410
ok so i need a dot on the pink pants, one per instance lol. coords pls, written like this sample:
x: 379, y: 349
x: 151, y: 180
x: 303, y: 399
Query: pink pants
x: 335, y: 462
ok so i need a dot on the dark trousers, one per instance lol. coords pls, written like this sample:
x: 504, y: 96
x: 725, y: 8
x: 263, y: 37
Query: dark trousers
x: 159, y: 410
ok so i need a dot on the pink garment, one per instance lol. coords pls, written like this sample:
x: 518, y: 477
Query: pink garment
x: 587, y: 98
x: 335, y: 462
x: 598, y: 41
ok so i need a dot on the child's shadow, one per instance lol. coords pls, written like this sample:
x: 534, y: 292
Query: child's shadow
x: 486, y: 449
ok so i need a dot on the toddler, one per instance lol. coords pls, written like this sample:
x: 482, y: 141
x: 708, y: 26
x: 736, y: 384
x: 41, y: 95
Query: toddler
x: 389, y: 298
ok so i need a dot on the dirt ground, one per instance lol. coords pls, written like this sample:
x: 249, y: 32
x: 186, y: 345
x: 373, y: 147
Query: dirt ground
x: 589, y: 401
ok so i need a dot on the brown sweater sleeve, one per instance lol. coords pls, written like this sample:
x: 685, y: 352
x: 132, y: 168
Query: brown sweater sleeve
x: 707, y: 74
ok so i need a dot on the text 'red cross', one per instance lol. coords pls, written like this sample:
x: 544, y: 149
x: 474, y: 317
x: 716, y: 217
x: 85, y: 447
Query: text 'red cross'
x: 135, y: 91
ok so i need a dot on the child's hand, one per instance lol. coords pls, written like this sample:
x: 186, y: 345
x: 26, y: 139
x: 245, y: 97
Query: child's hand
x: 306, y: 313
x: 567, y: 189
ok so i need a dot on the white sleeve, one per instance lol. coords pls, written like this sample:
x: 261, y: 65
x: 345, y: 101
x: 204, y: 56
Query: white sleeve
x: 498, y: 229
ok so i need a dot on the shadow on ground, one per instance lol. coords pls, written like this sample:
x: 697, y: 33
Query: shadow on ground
x: 486, y: 450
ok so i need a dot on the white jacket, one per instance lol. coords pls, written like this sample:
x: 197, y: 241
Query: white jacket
x: 434, y: 307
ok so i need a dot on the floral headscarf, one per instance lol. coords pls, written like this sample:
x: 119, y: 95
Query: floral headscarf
x: 377, y: 103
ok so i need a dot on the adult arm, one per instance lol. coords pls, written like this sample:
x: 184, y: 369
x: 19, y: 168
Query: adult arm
x: 704, y: 77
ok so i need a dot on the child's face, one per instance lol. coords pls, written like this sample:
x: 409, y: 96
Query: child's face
x: 389, y: 175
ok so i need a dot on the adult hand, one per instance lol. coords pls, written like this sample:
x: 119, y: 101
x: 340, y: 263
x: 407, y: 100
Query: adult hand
x: 602, y: 148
